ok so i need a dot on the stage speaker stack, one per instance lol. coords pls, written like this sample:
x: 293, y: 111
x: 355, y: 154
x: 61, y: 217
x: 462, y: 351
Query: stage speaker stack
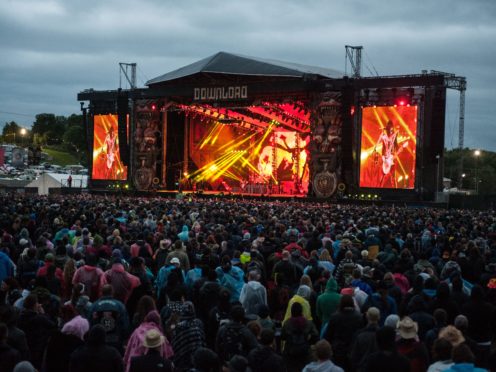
x: 122, y: 113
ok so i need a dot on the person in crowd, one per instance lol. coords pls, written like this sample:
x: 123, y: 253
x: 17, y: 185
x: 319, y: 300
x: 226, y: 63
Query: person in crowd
x: 38, y: 328
x: 9, y: 356
x: 135, y: 344
x: 264, y: 358
x: 123, y: 283
x: 383, y: 301
x: 96, y: 355
x: 342, y: 326
x: 233, y: 337
x: 409, y: 346
x: 204, y: 360
x: 452, y: 334
x: 179, y: 252
x: 328, y: 302
x: 16, y: 338
x: 481, y: 318
x: 169, y: 270
x: 91, y: 277
x: 43, y: 270
x: 463, y: 360
x: 387, y: 357
x: 298, y: 334
x: 364, y: 340
x: 323, y: 354
x: 441, y: 353
x: 111, y: 314
x: 230, y: 277
x: 285, y: 272
x: 188, y: 336
x: 440, y: 320
x: 253, y: 294
x: 302, y: 297
x: 443, y: 300
x: 160, y: 255
x: 152, y: 360
x: 62, y: 343
x: 344, y: 271
x: 417, y: 311
x: 6, y: 267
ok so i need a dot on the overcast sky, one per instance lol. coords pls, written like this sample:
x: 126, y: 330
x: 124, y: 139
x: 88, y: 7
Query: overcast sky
x: 51, y: 50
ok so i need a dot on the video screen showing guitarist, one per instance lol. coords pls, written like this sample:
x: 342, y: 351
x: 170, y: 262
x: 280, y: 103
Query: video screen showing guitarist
x: 388, y: 140
x: 110, y: 148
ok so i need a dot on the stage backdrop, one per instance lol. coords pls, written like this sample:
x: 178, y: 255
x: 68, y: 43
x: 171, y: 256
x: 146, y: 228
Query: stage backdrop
x: 232, y: 159
x: 107, y: 164
x: 388, y: 147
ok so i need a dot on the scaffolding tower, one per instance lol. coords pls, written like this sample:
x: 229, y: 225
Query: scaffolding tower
x: 451, y: 81
x: 354, y: 55
x: 124, y: 70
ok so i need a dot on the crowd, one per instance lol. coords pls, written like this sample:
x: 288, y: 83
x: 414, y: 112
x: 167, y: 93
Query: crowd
x: 99, y: 283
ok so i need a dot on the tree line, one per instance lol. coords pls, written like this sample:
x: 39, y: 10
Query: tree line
x: 58, y: 132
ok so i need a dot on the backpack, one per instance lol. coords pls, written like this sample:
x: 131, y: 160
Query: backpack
x: 232, y: 341
x: 108, y: 319
x: 91, y: 282
x: 297, y: 344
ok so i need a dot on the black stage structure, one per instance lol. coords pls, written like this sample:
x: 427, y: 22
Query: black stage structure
x: 252, y: 96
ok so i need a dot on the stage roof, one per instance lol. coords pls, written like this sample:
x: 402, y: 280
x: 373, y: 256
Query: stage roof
x: 235, y: 64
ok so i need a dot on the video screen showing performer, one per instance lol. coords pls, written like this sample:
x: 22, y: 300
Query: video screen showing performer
x: 388, y: 147
x: 107, y: 164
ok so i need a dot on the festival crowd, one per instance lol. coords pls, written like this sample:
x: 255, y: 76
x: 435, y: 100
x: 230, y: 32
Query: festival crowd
x: 107, y: 283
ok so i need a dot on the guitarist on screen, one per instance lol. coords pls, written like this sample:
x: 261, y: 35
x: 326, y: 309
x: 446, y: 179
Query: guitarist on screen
x: 110, y: 146
x: 390, y: 150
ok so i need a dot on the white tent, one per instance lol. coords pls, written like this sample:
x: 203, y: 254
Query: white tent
x: 57, y: 180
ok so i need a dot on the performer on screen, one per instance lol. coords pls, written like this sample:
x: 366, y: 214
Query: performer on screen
x: 388, y: 140
x: 110, y: 148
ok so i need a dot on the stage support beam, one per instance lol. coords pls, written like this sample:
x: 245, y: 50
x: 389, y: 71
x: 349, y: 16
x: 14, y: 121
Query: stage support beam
x: 186, y: 146
x: 164, y: 148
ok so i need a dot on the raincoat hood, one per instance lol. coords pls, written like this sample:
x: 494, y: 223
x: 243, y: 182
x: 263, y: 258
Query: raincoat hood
x: 332, y: 285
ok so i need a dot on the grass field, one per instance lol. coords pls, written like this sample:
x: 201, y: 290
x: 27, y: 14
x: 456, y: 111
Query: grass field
x: 60, y: 158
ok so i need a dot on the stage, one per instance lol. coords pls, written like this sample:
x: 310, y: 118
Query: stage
x: 248, y: 127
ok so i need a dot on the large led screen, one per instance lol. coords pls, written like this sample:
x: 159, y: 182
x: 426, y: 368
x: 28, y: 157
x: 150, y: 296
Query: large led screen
x: 107, y: 164
x: 388, y: 147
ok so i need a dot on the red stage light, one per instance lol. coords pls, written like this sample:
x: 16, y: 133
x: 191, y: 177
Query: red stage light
x: 153, y: 107
x: 402, y: 103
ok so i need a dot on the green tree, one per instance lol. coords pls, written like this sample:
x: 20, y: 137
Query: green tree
x: 10, y: 132
x: 49, y: 129
x: 74, y: 120
x: 43, y: 123
x: 74, y: 136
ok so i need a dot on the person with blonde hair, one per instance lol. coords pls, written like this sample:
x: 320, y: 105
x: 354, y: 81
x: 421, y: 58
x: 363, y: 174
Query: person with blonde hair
x: 326, y: 262
x: 323, y: 353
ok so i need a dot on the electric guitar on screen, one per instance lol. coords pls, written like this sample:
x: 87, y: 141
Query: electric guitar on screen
x: 389, y: 158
